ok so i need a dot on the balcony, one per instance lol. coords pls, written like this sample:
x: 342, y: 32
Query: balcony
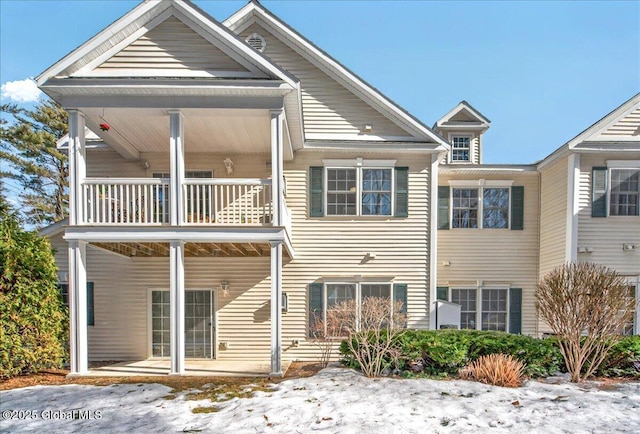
x: 210, y: 202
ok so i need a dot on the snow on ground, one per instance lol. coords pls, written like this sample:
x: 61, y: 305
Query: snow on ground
x: 336, y: 400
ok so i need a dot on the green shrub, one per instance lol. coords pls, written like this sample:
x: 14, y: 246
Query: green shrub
x: 444, y: 352
x: 623, y: 359
x: 32, y: 317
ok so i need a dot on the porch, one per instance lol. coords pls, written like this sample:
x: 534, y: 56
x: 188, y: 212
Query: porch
x: 201, y: 368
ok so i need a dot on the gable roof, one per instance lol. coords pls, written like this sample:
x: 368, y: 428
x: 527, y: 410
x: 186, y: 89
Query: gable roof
x: 618, y: 131
x: 463, y: 115
x: 143, y: 19
x: 254, y: 11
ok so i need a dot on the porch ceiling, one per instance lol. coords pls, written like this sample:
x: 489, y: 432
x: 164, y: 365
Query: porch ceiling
x: 150, y: 250
x: 205, y: 130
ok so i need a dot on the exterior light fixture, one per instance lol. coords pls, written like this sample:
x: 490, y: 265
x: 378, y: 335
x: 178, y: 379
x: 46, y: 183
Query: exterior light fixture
x: 228, y: 164
x: 368, y: 128
x: 224, y: 288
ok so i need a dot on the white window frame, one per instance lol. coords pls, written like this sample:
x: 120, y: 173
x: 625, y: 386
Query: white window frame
x: 471, y: 138
x: 357, y: 295
x: 479, y: 292
x: 619, y: 165
x: 635, y: 282
x: 359, y: 164
x: 480, y: 185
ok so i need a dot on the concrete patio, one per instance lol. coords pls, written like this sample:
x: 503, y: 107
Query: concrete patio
x: 210, y: 368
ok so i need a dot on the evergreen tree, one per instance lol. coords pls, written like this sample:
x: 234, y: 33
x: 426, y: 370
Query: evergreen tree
x: 33, y: 319
x: 28, y: 144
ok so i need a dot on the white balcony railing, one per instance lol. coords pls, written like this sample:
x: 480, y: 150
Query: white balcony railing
x: 227, y: 201
x: 123, y: 201
x: 126, y: 201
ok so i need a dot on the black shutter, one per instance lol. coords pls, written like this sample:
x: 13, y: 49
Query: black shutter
x: 442, y: 293
x: 515, y: 310
x: 316, y: 307
x: 517, y: 208
x: 90, y: 310
x: 400, y: 294
x: 443, y: 207
x: 316, y: 191
x: 402, y: 192
x: 599, y: 192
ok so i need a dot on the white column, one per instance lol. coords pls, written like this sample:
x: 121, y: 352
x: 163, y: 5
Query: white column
x: 433, y: 239
x: 276, y: 308
x: 573, y: 207
x: 78, y: 307
x: 176, y: 157
x: 277, y: 163
x: 176, y: 306
x: 77, y: 166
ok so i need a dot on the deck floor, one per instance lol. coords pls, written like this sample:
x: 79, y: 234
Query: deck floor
x: 211, y: 368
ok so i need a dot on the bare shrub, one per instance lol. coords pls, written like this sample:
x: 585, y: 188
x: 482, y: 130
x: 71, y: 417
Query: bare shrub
x: 340, y: 318
x: 496, y: 369
x: 374, y: 340
x: 587, y: 307
x: 370, y: 332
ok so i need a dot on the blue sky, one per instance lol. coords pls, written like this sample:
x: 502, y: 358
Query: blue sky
x: 541, y: 71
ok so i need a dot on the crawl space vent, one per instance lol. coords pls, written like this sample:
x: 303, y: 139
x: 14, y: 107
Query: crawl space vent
x: 256, y: 42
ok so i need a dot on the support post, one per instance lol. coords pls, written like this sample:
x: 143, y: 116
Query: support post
x: 433, y: 241
x: 78, y: 307
x: 176, y: 157
x: 276, y: 309
x: 77, y: 167
x: 176, y: 303
x: 277, y: 163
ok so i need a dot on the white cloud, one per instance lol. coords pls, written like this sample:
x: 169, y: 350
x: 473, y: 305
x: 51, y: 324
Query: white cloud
x: 21, y: 90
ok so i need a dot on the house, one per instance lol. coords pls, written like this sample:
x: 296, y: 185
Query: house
x: 244, y: 181
x: 503, y: 227
x: 230, y: 181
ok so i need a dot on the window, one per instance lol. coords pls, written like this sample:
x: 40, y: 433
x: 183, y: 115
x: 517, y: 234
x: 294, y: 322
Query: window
x: 64, y: 294
x: 324, y: 296
x: 466, y: 298
x: 358, y: 188
x: 494, y: 309
x: 493, y: 312
x: 625, y: 192
x: 341, y: 191
x: 494, y: 208
x: 615, y: 190
x: 461, y: 148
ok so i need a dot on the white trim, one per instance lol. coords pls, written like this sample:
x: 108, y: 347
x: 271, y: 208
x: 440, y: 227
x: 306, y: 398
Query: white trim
x: 463, y: 105
x: 359, y: 162
x: 480, y: 183
x: 623, y: 164
x: 573, y: 207
x: 276, y: 309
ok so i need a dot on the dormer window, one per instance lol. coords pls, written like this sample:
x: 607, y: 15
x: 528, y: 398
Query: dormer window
x: 461, y: 148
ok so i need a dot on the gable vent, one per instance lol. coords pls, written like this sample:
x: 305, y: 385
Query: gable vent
x: 256, y: 42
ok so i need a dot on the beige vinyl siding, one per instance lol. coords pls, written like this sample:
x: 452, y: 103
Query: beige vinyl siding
x: 336, y: 246
x: 173, y: 46
x: 496, y: 257
x: 627, y: 126
x: 325, y: 247
x: 553, y: 215
x: 606, y: 235
x: 328, y: 107
x: 114, y: 40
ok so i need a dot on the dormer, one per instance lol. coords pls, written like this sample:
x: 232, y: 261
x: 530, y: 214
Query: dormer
x: 463, y: 127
